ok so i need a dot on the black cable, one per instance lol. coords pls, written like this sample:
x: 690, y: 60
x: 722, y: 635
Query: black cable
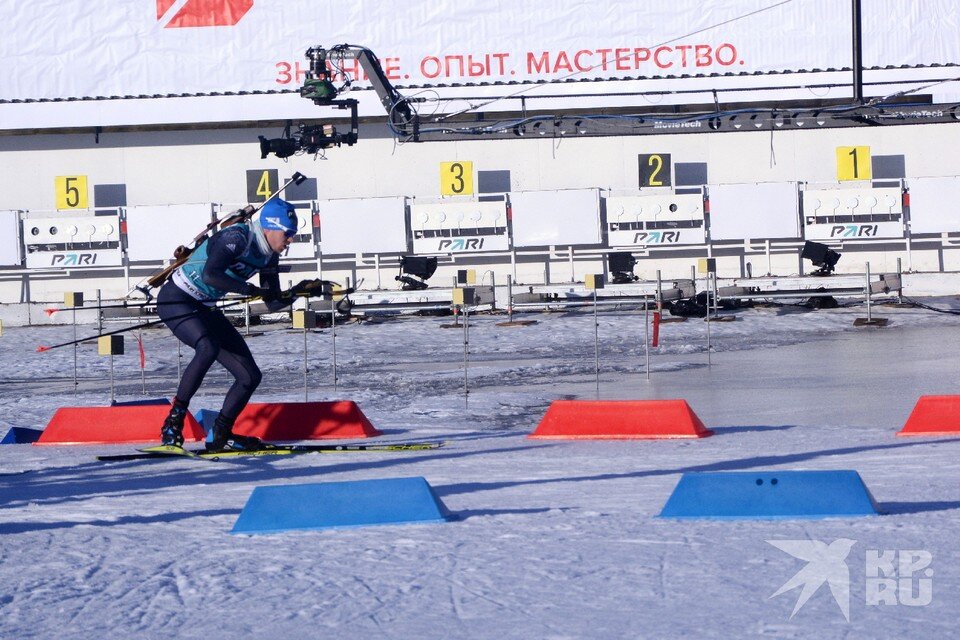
x: 953, y: 312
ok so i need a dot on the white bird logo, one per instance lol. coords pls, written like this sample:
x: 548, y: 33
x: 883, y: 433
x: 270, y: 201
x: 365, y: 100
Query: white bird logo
x: 825, y: 563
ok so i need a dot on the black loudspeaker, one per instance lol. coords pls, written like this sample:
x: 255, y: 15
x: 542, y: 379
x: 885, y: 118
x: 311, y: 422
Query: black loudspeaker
x: 820, y: 255
x: 419, y: 266
x: 620, y: 264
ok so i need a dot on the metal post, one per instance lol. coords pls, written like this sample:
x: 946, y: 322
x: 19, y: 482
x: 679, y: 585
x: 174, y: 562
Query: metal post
x: 596, y: 341
x: 246, y: 316
x: 75, y: 345
x: 716, y: 291
x: 659, y: 310
x: 333, y: 342
x: 99, y: 313
x: 306, y: 392
x: 869, y: 317
x: 900, y: 281
x: 179, y: 361
x: 454, y: 307
x: 466, y: 356
x: 509, y: 298
x: 707, y: 291
x: 112, y: 392
x: 857, y: 55
x: 646, y: 335
x: 143, y: 374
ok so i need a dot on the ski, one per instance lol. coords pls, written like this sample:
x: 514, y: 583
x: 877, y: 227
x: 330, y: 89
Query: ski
x: 159, y: 451
x: 170, y: 452
x: 280, y: 450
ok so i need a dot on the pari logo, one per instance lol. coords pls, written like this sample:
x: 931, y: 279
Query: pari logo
x: 854, y: 230
x: 656, y: 237
x: 176, y: 14
x: 454, y: 245
x: 73, y: 259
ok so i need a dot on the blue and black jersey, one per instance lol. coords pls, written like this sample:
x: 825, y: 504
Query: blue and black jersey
x: 225, y: 262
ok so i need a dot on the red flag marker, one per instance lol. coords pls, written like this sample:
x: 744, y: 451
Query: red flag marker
x: 143, y: 354
x: 42, y: 348
x: 50, y: 312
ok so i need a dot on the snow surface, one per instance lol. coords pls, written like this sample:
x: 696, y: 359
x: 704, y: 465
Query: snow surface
x: 553, y: 539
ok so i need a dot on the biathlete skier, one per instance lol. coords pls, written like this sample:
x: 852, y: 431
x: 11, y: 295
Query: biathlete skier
x: 186, y: 304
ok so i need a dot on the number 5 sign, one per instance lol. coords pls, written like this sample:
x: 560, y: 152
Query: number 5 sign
x: 456, y: 178
x: 71, y: 192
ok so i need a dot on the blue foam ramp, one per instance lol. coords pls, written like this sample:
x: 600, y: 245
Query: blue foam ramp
x: 206, y: 418
x: 334, y: 505
x: 21, y: 435
x: 770, y: 495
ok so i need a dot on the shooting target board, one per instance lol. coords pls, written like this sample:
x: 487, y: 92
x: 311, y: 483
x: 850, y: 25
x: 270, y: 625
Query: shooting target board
x: 303, y: 245
x: 753, y: 211
x: 154, y: 232
x: 363, y: 225
x: 72, y: 241
x: 556, y: 218
x: 656, y: 219
x: 934, y: 204
x: 10, y: 254
x: 852, y: 214
x: 459, y: 227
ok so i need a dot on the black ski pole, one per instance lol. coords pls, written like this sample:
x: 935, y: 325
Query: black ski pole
x: 122, y: 305
x: 142, y: 325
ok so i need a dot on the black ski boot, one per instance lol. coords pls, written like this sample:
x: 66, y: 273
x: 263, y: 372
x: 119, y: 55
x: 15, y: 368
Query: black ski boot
x: 171, y: 433
x: 222, y: 437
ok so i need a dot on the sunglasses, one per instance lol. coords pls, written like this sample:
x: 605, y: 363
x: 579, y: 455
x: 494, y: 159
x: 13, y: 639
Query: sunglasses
x: 293, y: 221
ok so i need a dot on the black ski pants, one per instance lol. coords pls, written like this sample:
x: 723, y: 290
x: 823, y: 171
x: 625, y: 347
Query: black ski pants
x: 208, y: 332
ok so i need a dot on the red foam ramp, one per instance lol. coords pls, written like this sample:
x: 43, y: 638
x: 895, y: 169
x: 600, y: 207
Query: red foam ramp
x: 113, y: 425
x: 933, y: 416
x: 304, y: 421
x: 620, y: 420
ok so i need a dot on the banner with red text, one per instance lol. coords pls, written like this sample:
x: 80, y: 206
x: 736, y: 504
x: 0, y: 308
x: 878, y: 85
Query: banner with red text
x: 77, y: 48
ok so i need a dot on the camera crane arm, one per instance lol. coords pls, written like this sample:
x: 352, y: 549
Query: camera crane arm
x: 319, y: 86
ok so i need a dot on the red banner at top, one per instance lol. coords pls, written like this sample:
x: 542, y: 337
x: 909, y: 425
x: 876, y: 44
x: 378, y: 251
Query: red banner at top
x: 204, y: 13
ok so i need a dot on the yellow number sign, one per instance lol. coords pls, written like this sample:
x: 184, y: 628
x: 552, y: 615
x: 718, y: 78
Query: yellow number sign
x: 853, y: 163
x: 456, y: 178
x: 71, y: 192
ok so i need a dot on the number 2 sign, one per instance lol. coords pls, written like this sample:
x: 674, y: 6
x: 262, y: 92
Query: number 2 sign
x: 655, y: 170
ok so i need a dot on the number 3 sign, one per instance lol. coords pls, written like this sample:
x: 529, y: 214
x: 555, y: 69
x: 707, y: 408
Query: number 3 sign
x: 456, y: 178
